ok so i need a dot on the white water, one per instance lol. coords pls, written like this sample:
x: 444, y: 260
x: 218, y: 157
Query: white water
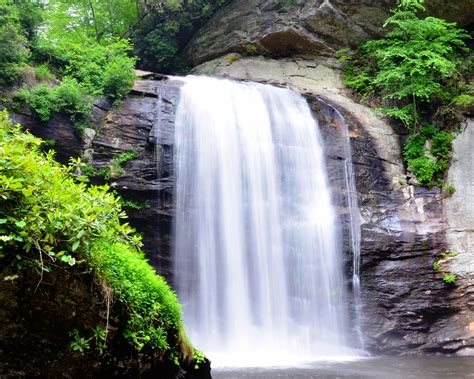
x: 257, y: 258
x: 355, y: 223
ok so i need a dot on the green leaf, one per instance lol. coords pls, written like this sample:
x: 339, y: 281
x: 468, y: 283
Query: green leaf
x: 75, y: 245
x: 20, y: 224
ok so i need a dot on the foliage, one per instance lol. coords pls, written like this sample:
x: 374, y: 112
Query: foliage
x: 165, y: 30
x: 153, y: 307
x: 100, y: 69
x: 79, y: 343
x: 449, y: 278
x: 118, y: 77
x: 135, y: 205
x: 99, y: 20
x: 438, y: 265
x: 43, y: 73
x: 115, y: 166
x: 50, y: 218
x: 428, y: 166
x: 418, y: 70
x: 449, y: 189
x: 69, y: 98
x: 14, y: 52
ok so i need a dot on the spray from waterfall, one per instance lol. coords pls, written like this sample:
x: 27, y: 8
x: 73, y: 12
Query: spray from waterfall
x: 258, y: 264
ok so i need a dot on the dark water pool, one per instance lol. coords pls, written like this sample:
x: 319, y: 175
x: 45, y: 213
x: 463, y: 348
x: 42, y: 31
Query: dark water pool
x: 380, y: 367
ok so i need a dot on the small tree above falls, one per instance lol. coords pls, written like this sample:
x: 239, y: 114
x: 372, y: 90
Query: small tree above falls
x: 417, y: 70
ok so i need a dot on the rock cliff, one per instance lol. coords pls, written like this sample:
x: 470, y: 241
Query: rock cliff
x: 303, y: 28
x: 407, y: 308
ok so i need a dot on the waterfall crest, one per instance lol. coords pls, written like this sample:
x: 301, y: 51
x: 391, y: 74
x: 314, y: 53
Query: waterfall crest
x: 258, y: 265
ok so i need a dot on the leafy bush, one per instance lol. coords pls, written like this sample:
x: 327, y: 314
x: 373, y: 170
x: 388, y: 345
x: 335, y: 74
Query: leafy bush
x: 118, y: 77
x: 72, y: 99
x: 418, y: 70
x: 69, y: 97
x: 449, y: 278
x: 13, y: 45
x: 99, y: 69
x: 424, y: 169
x: 428, y: 166
x: 410, y: 67
x: 42, y: 101
x: 49, y: 219
x: 43, y: 72
x: 152, y: 305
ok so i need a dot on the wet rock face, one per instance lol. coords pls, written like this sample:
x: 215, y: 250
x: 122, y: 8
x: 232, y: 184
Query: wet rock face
x: 144, y: 123
x: 402, y: 231
x: 407, y: 307
x: 281, y: 28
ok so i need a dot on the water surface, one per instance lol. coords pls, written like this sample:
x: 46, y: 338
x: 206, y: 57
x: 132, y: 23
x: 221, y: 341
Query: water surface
x: 381, y: 367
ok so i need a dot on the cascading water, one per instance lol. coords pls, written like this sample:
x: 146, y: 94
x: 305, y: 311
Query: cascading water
x: 257, y: 259
x: 355, y: 221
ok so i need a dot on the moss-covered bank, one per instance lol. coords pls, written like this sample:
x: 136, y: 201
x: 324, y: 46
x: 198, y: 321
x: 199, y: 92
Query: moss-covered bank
x: 78, y: 296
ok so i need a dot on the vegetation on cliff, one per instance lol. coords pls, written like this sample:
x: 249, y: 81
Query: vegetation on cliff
x: 420, y: 72
x: 50, y: 219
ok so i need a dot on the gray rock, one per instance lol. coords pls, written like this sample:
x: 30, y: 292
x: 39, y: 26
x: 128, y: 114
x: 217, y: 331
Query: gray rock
x: 308, y: 29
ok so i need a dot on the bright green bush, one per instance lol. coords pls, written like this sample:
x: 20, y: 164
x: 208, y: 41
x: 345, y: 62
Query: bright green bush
x: 42, y: 101
x: 69, y: 97
x: 153, y: 307
x: 441, y: 144
x: 424, y: 169
x: 48, y: 219
x: 411, y: 66
x: 72, y: 99
x: 418, y: 71
x: 429, y: 166
x: 43, y: 72
x: 13, y: 45
x: 99, y: 69
x: 118, y: 77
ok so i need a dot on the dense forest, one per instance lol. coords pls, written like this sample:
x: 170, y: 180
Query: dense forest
x: 89, y: 48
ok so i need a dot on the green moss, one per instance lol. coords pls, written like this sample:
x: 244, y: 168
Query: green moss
x: 154, y: 310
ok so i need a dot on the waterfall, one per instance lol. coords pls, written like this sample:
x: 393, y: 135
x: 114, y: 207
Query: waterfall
x: 354, y: 221
x: 258, y: 265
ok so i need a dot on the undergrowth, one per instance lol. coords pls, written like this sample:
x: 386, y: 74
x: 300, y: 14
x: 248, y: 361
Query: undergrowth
x: 419, y: 73
x: 51, y: 219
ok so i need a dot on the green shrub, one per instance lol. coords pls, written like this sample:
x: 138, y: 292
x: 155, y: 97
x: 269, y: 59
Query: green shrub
x: 414, y: 147
x: 69, y: 97
x: 118, y: 77
x: 441, y: 145
x: 72, y: 99
x: 13, y: 45
x: 419, y: 72
x: 449, y: 189
x: 99, y: 69
x: 152, y: 305
x: 49, y: 220
x: 42, y: 101
x: 43, y: 72
x: 424, y: 169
